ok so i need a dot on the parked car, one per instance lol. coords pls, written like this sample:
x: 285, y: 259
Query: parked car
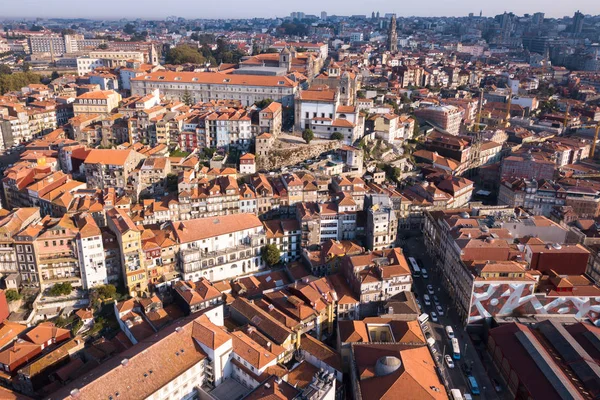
x: 436, y: 300
x: 449, y: 361
x: 439, y: 309
x: 433, y: 316
x: 427, y: 300
x: 428, y: 335
x: 424, y: 274
x: 450, y: 332
x: 430, y: 289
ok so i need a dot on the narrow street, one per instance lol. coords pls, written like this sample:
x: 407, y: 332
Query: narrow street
x: 455, y: 377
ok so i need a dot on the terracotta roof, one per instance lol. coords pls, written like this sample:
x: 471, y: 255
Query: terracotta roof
x: 216, y: 79
x: 203, y: 228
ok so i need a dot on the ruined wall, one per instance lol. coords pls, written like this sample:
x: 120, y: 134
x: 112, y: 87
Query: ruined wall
x: 278, y: 157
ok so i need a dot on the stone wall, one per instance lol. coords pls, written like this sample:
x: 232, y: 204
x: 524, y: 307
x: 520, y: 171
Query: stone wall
x: 278, y: 157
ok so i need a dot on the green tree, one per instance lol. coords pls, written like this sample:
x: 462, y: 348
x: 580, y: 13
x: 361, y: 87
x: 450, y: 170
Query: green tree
x: 17, y: 80
x: 55, y: 75
x: 337, y: 136
x: 12, y: 295
x: 103, y: 46
x: 187, y: 98
x: 26, y: 67
x: 129, y: 29
x: 263, y: 103
x: 61, y: 289
x: 5, y: 69
x: 308, y: 135
x: 184, y: 54
x: 270, y: 254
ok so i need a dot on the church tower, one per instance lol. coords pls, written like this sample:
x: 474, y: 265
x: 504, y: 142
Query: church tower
x: 285, y: 59
x: 392, y: 44
x: 153, y: 55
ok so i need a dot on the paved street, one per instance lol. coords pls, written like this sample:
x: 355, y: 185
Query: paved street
x: 455, y: 377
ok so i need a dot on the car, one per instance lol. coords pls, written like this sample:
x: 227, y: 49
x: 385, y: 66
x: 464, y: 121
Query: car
x: 430, y: 289
x: 418, y: 302
x: 436, y: 300
x: 425, y: 328
x: 427, y: 300
x: 439, y: 309
x: 434, y: 351
x: 433, y: 316
x: 424, y: 273
x: 497, y: 385
x: 450, y: 332
x: 449, y: 361
x: 427, y: 335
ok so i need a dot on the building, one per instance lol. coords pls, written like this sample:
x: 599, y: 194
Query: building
x: 270, y: 119
x: 110, y: 168
x: 207, y: 86
x: 218, y: 248
x: 320, y: 222
x: 101, y: 102
x: 393, y: 369
x: 382, y: 224
x: 527, y: 167
x: 520, y: 353
x: 91, y: 252
x: 247, y: 164
x: 446, y: 117
x: 133, y: 269
x: 376, y: 277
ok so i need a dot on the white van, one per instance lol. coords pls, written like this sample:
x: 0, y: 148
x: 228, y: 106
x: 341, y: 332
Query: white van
x: 423, y: 318
x: 450, y: 332
x: 427, y: 299
x: 424, y: 273
x: 456, y: 395
x: 431, y: 342
x: 467, y: 396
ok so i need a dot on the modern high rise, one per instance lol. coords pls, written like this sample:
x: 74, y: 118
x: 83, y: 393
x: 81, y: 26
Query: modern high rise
x: 392, y: 44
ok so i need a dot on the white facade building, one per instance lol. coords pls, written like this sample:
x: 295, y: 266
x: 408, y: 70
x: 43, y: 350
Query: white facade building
x: 91, y: 253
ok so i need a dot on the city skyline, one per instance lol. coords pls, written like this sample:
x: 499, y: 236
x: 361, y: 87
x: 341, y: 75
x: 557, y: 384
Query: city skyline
x: 263, y: 9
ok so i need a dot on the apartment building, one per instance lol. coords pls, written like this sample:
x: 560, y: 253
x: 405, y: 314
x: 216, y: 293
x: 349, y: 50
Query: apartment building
x: 101, y: 102
x: 446, y: 117
x: 218, y: 248
x: 320, y: 222
x: 377, y: 276
x: 110, y: 168
x: 382, y: 224
x: 10, y: 225
x: 270, y: 119
x: 527, y: 166
x: 90, y: 251
x: 128, y: 236
x: 107, y: 58
x: 207, y: 86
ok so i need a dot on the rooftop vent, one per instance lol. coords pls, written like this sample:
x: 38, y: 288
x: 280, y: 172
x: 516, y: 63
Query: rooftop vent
x: 124, y: 362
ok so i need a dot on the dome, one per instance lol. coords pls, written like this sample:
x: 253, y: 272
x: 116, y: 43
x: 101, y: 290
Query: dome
x: 386, y: 365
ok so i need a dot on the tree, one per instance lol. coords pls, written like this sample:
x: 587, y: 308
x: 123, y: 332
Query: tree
x: 5, y: 69
x: 12, y: 295
x: 337, y: 136
x: 17, y: 80
x: 26, y: 67
x: 184, y: 54
x: 61, y: 289
x: 270, y: 254
x: 55, y: 75
x: 103, y: 46
x: 172, y: 181
x: 187, y: 98
x: 263, y: 103
x: 308, y: 135
x: 129, y: 29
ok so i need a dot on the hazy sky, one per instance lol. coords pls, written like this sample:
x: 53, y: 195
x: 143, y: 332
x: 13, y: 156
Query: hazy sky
x: 277, y: 8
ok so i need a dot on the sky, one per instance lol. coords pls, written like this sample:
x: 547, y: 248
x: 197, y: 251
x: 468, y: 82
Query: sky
x: 159, y: 9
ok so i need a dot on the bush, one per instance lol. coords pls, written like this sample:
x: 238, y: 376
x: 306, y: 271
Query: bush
x: 270, y: 254
x: 184, y: 54
x: 12, y: 295
x: 61, y: 289
x: 308, y: 135
x: 337, y: 136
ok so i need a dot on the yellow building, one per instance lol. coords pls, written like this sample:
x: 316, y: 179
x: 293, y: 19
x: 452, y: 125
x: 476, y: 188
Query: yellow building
x: 96, y: 102
x: 128, y: 236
